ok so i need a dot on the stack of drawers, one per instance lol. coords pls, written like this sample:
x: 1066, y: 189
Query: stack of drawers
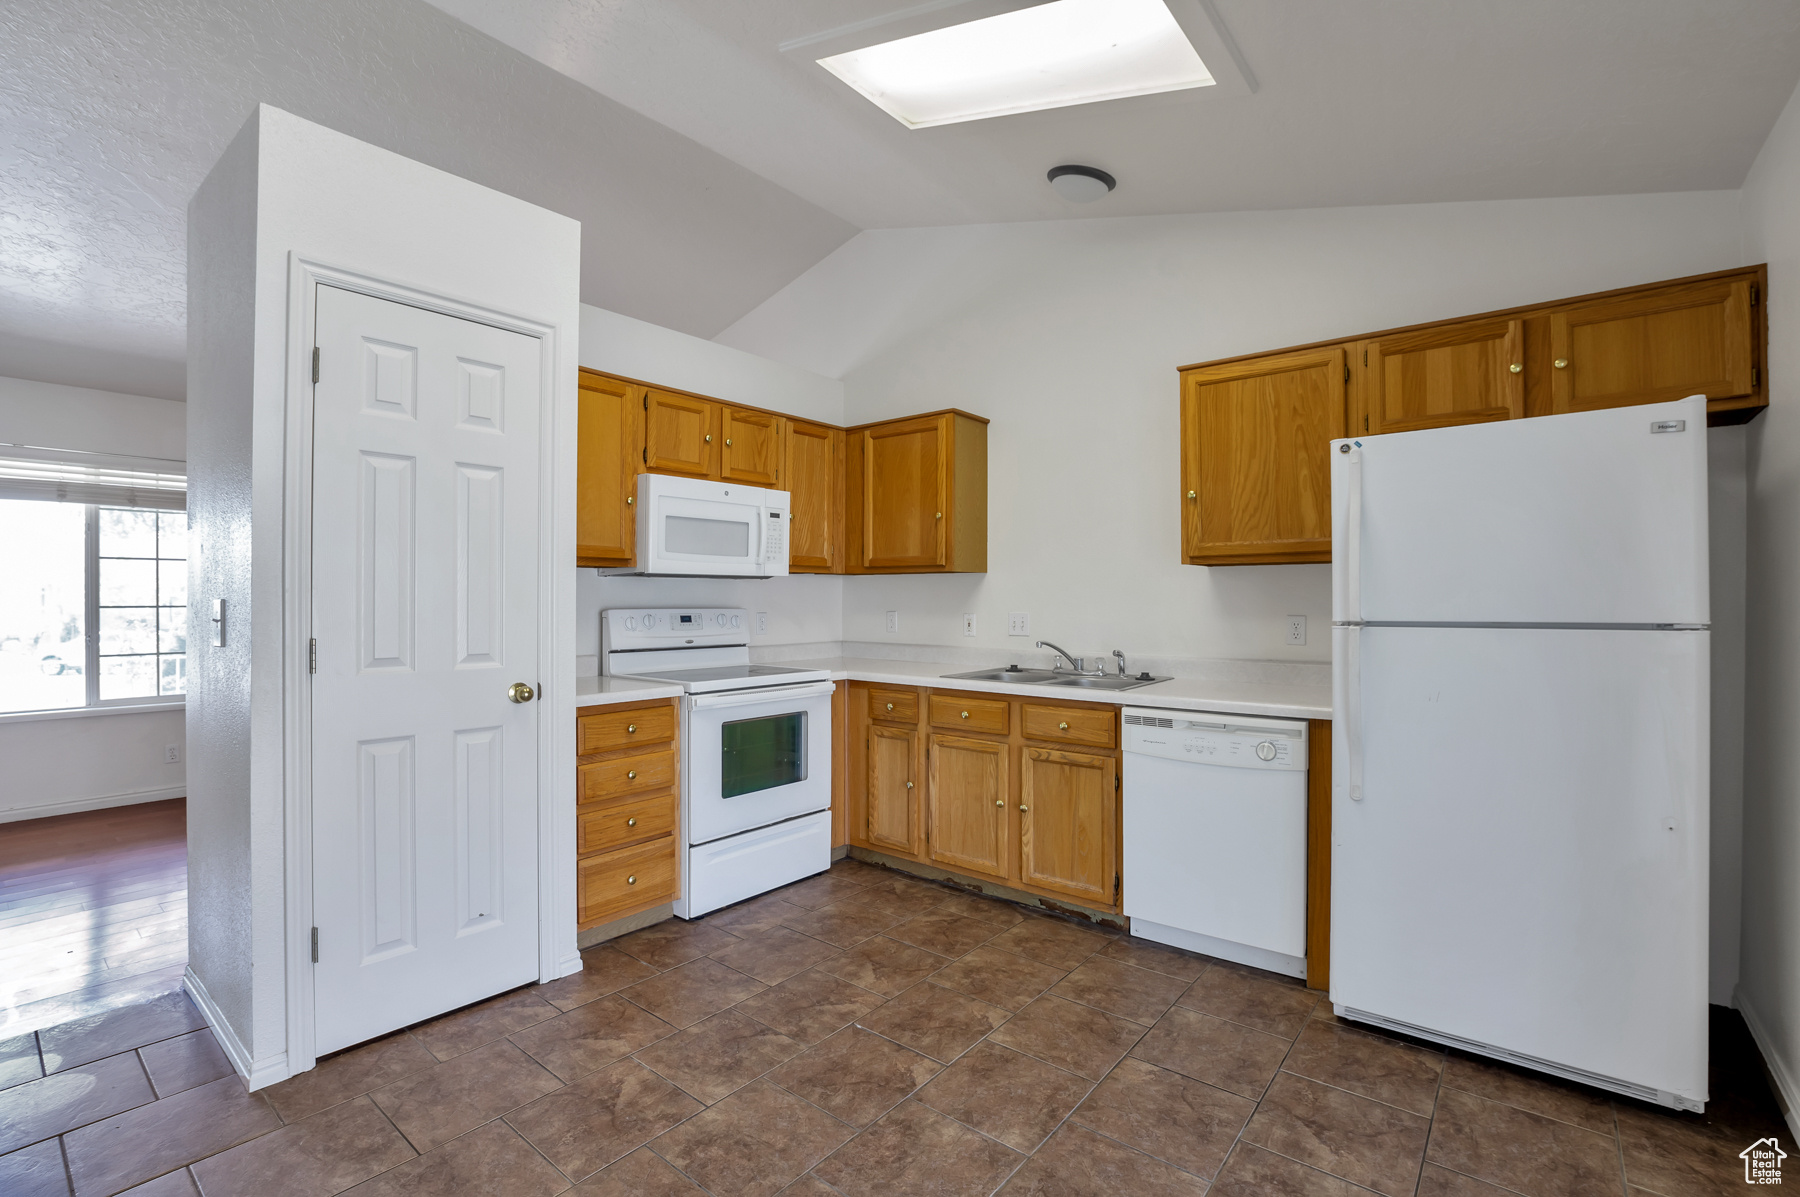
x: 628, y: 787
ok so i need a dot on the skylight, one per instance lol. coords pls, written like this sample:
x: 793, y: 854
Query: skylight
x: 1046, y: 56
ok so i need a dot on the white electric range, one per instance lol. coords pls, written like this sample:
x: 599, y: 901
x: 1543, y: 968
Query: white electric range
x: 755, y: 750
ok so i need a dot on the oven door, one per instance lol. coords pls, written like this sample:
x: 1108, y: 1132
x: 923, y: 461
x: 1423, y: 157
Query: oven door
x: 756, y: 757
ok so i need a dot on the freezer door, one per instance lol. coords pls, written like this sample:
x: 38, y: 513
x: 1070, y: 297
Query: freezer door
x: 1586, y: 518
x: 1526, y: 866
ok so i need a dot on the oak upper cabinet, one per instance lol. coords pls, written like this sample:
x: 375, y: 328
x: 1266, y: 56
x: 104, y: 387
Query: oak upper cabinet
x: 890, y: 801
x: 1255, y: 457
x: 967, y: 797
x: 1069, y: 823
x: 680, y: 434
x: 611, y: 444
x: 813, y: 471
x: 750, y: 451
x: 918, y: 495
x: 1698, y: 339
x: 1459, y: 374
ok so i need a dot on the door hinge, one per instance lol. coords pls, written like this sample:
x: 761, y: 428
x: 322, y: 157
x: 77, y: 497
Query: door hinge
x: 312, y: 656
x: 315, y: 363
x: 1115, y: 891
x: 646, y: 452
x: 1365, y: 357
x: 315, y: 944
x: 1755, y: 376
x: 1753, y: 295
x: 1346, y: 373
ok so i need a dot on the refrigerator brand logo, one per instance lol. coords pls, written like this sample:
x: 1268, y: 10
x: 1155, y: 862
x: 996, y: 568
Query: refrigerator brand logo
x: 1669, y: 426
x: 1762, y: 1162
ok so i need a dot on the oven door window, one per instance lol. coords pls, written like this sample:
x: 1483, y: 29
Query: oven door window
x: 760, y: 754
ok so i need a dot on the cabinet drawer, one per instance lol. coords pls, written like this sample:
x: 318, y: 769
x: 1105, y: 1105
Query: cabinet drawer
x: 970, y: 714
x: 1069, y: 725
x: 600, y: 828
x: 626, y: 775
x: 894, y: 706
x: 628, y: 879
x: 604, y: 731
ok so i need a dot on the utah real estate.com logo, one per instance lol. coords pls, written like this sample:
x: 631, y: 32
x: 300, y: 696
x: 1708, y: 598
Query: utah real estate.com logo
x: 1762, y: 1162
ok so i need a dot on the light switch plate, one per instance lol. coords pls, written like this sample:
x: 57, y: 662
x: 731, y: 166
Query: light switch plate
x: 1018, y: 623
x: 762, y: 623
x: 893, y: 622
x: 968, y: 623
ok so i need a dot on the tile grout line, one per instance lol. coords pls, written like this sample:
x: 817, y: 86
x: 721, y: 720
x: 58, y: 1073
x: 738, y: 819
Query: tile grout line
x: 1430, y: 1122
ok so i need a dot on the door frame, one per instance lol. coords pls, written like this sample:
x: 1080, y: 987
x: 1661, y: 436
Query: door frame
x: 557, y: 953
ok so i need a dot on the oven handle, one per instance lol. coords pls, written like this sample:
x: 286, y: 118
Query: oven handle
x: 763, y: 697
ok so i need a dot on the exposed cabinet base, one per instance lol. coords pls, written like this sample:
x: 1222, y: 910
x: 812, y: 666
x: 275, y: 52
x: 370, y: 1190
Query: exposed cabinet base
x: 1223, y: 949
x: 990, y: 889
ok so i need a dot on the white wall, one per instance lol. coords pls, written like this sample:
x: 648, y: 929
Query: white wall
x: 1769, y: 993
x: 58, y: 764
x: 289, y: 185
x: 803, y: 608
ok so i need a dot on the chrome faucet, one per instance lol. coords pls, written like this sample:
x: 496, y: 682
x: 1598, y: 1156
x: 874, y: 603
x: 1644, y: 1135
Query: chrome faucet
x: 1076, y: 664
x: 1123, y: 672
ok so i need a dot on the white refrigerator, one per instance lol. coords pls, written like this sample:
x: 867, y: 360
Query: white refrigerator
x: 1519, y: 742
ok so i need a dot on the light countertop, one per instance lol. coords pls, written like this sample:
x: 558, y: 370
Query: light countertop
x: 1279, y: 700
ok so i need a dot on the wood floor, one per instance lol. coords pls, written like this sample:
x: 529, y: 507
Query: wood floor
x: 93, y: 912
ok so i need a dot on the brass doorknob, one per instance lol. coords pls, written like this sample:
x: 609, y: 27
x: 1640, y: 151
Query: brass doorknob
x: 631, y: 729
x: 631, y: 774
x: 1516, y: 368
x: 631, y: 822
x: 1062, y: 727
x: 520, y: 692
x: 1561, y: 363
x: 632, y: 880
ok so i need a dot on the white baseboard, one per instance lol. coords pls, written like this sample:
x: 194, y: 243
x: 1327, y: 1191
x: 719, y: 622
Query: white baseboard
x: 75, y: 805
x: 1780, y: 1072
x: 257, y: 1074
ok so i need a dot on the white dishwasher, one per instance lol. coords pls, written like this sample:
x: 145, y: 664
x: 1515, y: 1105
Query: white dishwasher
x: 1215, y: 835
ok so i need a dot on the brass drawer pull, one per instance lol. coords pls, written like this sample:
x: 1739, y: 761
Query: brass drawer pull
x: 631, y: 729
x: 1062, y: 727
x: 890, y: 706
x: 1516, y: 368
x: 965, y: 714
x: 631, y: 880
x: 1561, y: 363
x: 631, y: 774
x: 632, y: 822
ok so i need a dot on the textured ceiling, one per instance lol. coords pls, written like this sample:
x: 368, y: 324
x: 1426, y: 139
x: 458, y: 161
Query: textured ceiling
x: 112, y: 113
x: 1357, y: 102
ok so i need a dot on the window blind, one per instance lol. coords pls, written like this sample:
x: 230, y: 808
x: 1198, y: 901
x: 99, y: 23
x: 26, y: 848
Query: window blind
x: 63, y: 476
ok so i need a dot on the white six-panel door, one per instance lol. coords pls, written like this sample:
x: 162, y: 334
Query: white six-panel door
x: 425, y: 612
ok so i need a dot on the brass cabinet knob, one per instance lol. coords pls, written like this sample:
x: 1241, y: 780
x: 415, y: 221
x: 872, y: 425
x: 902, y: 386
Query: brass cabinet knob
x: 1062, y: 727
x: 890, y: 706
x: 709, y: 438
x: 909, y: 785
x: 1516, y: 368
x: 999, y: 802
x: 965, y: 714
x: 940, y: 515
x: 631, y: 729
x: 728, y: 442
x: 1023, y: 807
x: 630, y: 499
x: 520, y: 692
x: 1561, y: 363
x: 631, y: 774
x: 631, y: 822
x: 1190, y: 494
x: 631, y: 880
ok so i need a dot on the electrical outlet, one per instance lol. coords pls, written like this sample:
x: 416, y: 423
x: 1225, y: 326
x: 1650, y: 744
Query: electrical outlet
x: 1018, y: 623
x: 762, y: 623
x: 172, y: 754
x: 1296, y: 629
x: 968, y: 623
x: 893, y: 622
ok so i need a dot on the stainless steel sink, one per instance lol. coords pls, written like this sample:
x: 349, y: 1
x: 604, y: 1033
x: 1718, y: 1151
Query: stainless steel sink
x: 1048, y: 677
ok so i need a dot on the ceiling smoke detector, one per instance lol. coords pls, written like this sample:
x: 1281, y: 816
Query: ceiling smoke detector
x: 1081, y: 184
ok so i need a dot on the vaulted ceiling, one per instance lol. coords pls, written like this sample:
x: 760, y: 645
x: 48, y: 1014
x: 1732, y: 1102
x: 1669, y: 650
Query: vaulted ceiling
x: 709, y: 167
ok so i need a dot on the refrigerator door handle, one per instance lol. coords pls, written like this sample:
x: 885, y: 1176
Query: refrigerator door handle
x: 1352, y: 572
x: 1347, y: 705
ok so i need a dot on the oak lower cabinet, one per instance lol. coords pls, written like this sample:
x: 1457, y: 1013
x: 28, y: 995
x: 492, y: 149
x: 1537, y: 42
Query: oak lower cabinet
x: 1255, y: 430
x: 610, y: 443
x: 1024, y: 792
x: 1068, y: 826
x: 627, y: 817
x: 916, y: 495
x: 966, y: 796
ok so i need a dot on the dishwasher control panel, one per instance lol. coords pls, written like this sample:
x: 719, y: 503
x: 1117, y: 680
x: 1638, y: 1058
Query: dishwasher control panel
x: 1203, y: 739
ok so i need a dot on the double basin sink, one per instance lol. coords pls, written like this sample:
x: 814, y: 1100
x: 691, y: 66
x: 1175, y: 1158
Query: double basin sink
x: 1014, y: 675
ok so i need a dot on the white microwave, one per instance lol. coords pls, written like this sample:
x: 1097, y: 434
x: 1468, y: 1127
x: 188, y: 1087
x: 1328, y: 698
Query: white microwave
x: 693, y: 528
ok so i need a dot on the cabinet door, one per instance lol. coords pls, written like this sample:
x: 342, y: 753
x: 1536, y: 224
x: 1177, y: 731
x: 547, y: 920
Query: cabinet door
x: 1463, y: 374
x: 1256, y: 475
x: 1692, y: 340
x: 966, y: 805
x: 905, y: 487
x: 679, y: 435
x: 892, y: 751
x: 1068, y: 823
x: 752, y: 447
x: 814, y: 455
x: 610, y: 444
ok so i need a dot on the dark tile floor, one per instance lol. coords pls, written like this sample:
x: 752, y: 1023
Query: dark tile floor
x: 861, y: 1032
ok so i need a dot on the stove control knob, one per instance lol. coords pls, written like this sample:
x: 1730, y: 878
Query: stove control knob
x: 631, y: 623
x: 1266, y: 750
x: 649, y: 621
x: 719, y: 619
x: 737, y: 621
